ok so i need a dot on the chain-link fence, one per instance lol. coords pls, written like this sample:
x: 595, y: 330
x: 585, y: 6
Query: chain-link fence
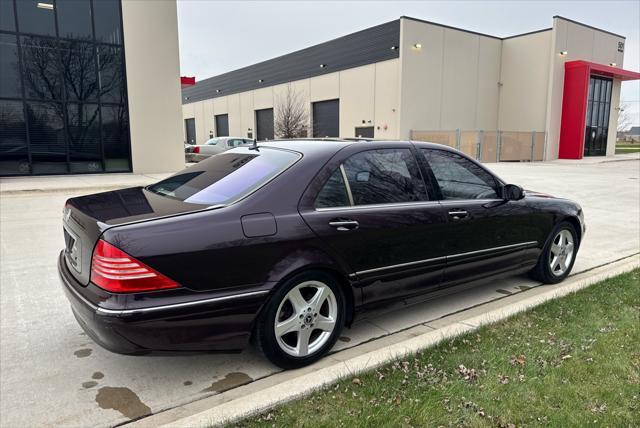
x: 490, y: 146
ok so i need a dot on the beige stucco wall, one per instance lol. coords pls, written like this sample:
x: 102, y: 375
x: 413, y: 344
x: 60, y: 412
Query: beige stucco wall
x: 525, y: 79
x: 451, y: 82
x: 368, y: 93
x: 580, y: 43
x: 153, y: 82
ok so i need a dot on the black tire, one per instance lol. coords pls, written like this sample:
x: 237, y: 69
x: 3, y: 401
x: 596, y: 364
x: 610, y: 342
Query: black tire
x: 265, y: 336
x: 542, y: 271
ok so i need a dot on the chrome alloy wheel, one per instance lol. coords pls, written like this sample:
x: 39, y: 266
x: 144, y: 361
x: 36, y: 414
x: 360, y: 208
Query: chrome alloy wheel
x: 561, y: 252
x: 306, y: 318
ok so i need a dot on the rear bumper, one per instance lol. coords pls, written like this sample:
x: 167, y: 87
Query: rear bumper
x: 211, y: 323
x: 195, y: 157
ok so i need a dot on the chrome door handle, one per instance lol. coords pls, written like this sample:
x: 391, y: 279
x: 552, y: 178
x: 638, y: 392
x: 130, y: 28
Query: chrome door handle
x: 344, y: 225
x: 458, y: 214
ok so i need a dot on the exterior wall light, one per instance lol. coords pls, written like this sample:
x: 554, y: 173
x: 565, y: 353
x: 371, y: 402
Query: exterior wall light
x: 612, y: 64
x: 260, y: 80
x: 217, y: 91
x: 393, y: 48
x: 563, y: 53
x: 323, y: 65
x: 47, y: 6
x: 417, y: 46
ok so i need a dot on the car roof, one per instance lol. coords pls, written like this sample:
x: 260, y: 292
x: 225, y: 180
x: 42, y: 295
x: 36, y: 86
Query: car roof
x: 303, y: 145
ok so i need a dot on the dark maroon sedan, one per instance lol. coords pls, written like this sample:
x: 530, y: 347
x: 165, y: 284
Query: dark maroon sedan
x: 286, y: 242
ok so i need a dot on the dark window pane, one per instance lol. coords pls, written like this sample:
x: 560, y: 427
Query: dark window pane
x: 334, y: 192
x: 13, y: 139
x: 83, y: 130
x: 9, y: 67
x: 7, y: 20
x: 78, y: 64
x: 107, y: 21
x: 111, y: 74
x: 384, y: 176
x: 74, y: 19
x: 115, y: 138
x: 459, y: 178
x: 46, y: 132
x: 41, y: 67
x: 226, y: 177
x: 36, y: 16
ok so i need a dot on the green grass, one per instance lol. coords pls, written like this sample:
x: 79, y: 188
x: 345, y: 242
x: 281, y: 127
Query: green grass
x: 627, y: 148
x: 574, y: 361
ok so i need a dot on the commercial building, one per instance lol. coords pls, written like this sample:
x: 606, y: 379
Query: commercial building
x: 89, y: 86
x: 541, y: 95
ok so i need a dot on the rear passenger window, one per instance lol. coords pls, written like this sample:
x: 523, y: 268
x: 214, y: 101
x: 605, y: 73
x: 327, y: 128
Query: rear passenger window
x: 384, y: 176
x: 334, y: 192
x: 460, y: 178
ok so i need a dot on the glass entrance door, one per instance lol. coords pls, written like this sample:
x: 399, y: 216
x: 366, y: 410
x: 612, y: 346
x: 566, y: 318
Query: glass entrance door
x: 597, y: 121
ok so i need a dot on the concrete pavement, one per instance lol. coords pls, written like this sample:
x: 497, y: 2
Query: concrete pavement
x: 52, y: 374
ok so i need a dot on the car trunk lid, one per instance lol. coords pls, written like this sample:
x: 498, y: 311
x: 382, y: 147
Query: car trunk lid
x: 87, y: 217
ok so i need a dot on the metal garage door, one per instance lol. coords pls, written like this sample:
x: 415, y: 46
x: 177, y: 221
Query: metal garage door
x: 326, y: 118
x: 190, y: 127
x: 222, y: 125
x: 264, y: 124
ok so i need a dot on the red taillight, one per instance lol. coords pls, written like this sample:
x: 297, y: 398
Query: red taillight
x: 114, y: 270
x: 196, y: 149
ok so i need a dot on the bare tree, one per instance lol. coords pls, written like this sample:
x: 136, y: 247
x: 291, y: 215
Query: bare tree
x: 292, y: 118
x: 624, y: 117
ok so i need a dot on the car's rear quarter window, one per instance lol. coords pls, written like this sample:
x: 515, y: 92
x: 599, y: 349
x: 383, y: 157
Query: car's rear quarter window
x: 226, y: 177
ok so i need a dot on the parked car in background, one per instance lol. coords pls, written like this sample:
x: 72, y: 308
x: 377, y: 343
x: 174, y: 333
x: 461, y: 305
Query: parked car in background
x: 287, y: 242
x: 213, y: 146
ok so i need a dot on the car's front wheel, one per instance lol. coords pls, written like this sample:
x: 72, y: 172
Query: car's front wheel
x: 302, y: 320
x: 558, y: 256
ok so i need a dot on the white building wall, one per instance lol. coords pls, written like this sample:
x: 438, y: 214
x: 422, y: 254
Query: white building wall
x: 451, y: 82
x: 153, y: 83
x: 525, y: 82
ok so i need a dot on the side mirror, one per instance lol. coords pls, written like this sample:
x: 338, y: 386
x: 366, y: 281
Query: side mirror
x: 511, y: 192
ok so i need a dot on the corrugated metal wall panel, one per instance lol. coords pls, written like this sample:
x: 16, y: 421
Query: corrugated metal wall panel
x: 361, y: 48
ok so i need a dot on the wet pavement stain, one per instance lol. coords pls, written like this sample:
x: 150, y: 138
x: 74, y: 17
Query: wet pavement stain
x: 501, y: 291
x: 344, y: 339
x: 122, y: 400
x: 187, y: 383
x: 81, y: 353
x: 90, y: 384
x: 524, y: 287
x: 230, y: 381
x: 97, y: 375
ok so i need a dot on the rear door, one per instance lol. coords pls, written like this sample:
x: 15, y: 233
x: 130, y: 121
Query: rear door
x: 374, y: 210
x: 484, y: 234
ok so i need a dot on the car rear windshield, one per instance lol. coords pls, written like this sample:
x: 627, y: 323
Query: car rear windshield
x: 226, y: 177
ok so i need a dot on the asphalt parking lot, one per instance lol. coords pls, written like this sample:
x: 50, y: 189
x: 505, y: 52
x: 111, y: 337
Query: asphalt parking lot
x: 53, y: 374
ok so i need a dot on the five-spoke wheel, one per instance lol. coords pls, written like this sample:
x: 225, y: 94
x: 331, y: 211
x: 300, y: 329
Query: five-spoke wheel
x: 561, y: 252
x: 558, y: 255
x: 302, y: 320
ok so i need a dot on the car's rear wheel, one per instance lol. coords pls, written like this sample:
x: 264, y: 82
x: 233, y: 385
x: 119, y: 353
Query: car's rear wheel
x: 558, y: 256
x: 302, y: 320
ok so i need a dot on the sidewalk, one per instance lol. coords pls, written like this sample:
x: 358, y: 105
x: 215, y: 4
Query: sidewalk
x: 59, y: 183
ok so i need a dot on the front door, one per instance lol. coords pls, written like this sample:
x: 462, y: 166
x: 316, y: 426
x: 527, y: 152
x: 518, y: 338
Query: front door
x: 597, y: 121
x: 375, y: 213
x: 485, y: 234
x: 190, y: 127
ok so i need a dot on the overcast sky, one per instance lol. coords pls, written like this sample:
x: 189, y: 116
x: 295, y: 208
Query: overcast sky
x: 220, y: 36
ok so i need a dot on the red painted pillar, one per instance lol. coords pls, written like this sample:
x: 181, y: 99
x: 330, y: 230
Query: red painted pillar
x: 574, y: 110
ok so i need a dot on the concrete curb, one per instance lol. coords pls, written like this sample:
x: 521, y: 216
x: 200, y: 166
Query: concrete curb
x: 266, y: 393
